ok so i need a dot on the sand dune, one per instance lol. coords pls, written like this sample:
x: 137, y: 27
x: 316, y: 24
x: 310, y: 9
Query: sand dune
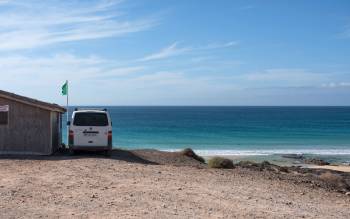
x: 331, y: 167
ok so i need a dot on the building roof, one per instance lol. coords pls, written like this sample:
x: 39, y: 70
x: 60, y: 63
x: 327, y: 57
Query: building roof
x: 32, y: 102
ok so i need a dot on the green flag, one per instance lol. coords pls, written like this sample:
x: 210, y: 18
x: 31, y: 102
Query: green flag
x: 65, y: 88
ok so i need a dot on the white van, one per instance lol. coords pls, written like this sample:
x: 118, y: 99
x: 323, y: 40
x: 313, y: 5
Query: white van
x: 90, y: 130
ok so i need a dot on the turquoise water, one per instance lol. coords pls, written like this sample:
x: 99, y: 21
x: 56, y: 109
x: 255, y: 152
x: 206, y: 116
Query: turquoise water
x: 234, y: 130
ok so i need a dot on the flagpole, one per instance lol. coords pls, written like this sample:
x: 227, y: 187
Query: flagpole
x: 67, y: 114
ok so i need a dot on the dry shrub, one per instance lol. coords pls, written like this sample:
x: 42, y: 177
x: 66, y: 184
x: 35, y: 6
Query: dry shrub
x: 220, y: 162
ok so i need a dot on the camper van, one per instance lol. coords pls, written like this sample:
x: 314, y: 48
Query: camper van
x: 90, y: 130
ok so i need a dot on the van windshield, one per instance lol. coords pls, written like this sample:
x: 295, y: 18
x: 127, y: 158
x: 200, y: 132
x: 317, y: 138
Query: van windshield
x: 90, y: 119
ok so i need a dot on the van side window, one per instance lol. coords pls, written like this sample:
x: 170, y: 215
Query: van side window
x: 90, y: 119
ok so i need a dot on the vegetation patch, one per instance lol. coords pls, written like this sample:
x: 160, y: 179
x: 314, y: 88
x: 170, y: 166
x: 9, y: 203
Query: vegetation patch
x: 220, y: 162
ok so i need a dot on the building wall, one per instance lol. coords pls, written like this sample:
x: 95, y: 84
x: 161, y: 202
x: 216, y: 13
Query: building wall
x: 55, y: 130
x: 28, y: 131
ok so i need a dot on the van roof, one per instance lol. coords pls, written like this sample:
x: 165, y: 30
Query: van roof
x: 89, y: 111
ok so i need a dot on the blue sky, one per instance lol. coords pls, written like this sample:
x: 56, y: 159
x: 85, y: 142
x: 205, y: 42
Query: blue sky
x: 167, y: 52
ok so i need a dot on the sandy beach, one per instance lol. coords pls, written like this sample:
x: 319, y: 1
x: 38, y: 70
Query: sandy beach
x: 332, y: 167
x: 150, y: 184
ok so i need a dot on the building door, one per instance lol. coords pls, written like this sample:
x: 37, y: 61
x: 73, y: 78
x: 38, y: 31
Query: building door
x: 55, y: 130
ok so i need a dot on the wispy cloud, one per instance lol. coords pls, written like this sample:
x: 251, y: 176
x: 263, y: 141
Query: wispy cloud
x: 139, y: 83
x: 4, y: 1
x: 117, y: 72
x: 36, y: 23
x: 336, y: 85
x: 127, y: 83
x: 169, y: 51
x: 292, y: 78
x: 284, y: 77
x: 175, y: 50
x: 217, y: 45
x: 56, y: 68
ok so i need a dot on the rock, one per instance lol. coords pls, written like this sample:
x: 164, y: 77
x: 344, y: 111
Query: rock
x: 293, y: 156
x: 265, y: 164
x: 190, y: 153
x: 284, y: 169
x: 335, y: 180
x: 348, y: 193
x: 316, y: 161
x: 247, y: 164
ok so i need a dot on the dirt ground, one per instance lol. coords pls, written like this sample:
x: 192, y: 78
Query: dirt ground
x: 131, y: 186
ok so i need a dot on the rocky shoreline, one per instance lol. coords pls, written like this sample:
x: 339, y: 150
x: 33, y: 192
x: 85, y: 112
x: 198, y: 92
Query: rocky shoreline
x: 330, y: 180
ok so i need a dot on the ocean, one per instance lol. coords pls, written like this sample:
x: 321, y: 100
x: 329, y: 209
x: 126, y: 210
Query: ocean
x: 232, y: 130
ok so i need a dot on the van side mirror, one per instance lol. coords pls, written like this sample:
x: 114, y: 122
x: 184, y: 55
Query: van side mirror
x: 68, y: 123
